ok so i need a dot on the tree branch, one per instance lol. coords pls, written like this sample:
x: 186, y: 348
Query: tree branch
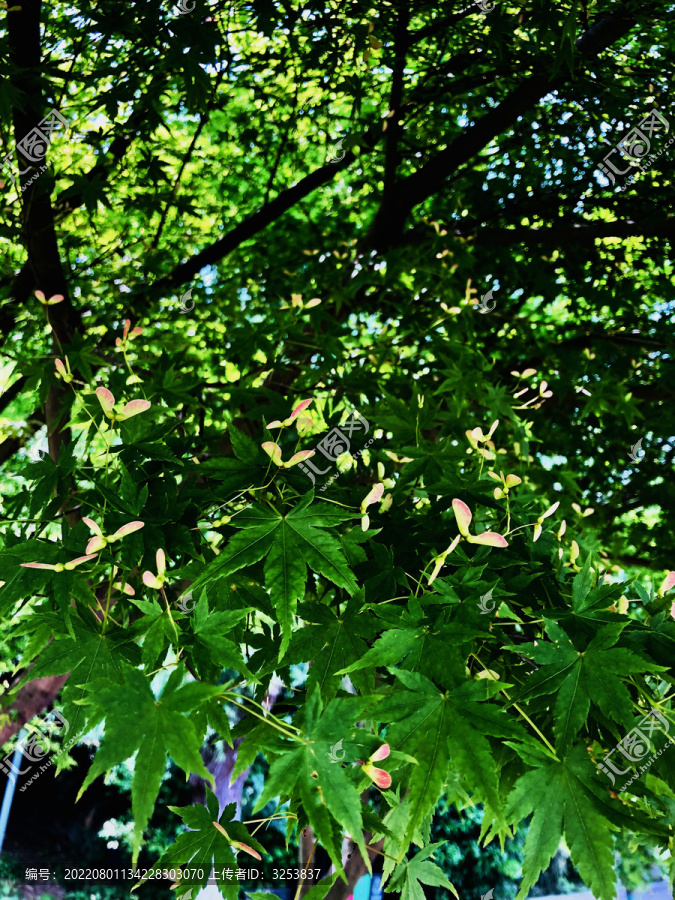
x: 393, y: 124
x: 66, y: 202
x: 585, y: 232
x: 270, y: 212
x: 414, y: 189
x: 441, y: 24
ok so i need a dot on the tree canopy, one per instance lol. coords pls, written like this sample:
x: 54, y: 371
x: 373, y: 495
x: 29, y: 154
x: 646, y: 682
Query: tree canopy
x: 338, y: 335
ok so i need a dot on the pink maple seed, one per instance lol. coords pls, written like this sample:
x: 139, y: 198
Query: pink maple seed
x: 453, y: 545
x: 106, y: 399
x: 56, y: 298
x: 489, y: 539
x: 60, y: 368
x: 127, y: 326
x: 129, y: 528
x: 125, y: 588
x: 299, y: 408
x: 463, y: 517
x: 273, y: 451
x: 381, y: 778
x: 41, y: 297
x: 37, y: 566
x: 96, y: 544
x: 299, y: 457
x: 373, y: 496
x: 238, y: 844
x: 151, y: 581
x: 92, y: 526
x: 134, y: 407
x: 440, y: 562
x: 381, y: 753
x: 246, y: 849
x: 668, y: 582
x: 78, y: 562
x: 550, y: 511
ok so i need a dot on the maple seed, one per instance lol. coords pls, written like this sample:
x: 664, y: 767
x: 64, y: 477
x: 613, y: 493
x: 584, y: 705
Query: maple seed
x: 273, y: 451
x: 60, y: 567
x: 56, y: 298
x: 101, y: 540
x: 157, y: 581
x: 374, y: 496
x: 298, y: 458
x: 247, y: 849
x: 381, y: 753
x: 301, y: 407
x: 463, y: 517
x: 238, y: 844
x: 221, y: 829
x: 540, y: 520
x: 381, y: 778
x: 133, y: 408
x: 667, y: 583
x: 63, y: 371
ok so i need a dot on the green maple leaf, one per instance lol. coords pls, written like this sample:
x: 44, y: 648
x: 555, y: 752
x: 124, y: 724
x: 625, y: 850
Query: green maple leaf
x: 582, y: 585
x: 91, y: 655
x: 210, y: 643
x: 391, y: 647
x: 327, y: 794
x: 435, y: 727
x: 581, y: 677
x: 409, y: 877
x: 435, y: 654
x: 288, y: 544
x: 157, y: 627
x: 563, y: 805
x: 394, y: 828
x: 138, y: 723
x: 244, y: 471
x: 205, y: 846
x: 342, y: 640
x: 316, y: 892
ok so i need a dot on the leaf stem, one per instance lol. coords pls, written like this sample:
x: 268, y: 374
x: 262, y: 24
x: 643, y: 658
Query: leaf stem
x: 522, y: 712
x: 270, y: 719
x: 168, y: 609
